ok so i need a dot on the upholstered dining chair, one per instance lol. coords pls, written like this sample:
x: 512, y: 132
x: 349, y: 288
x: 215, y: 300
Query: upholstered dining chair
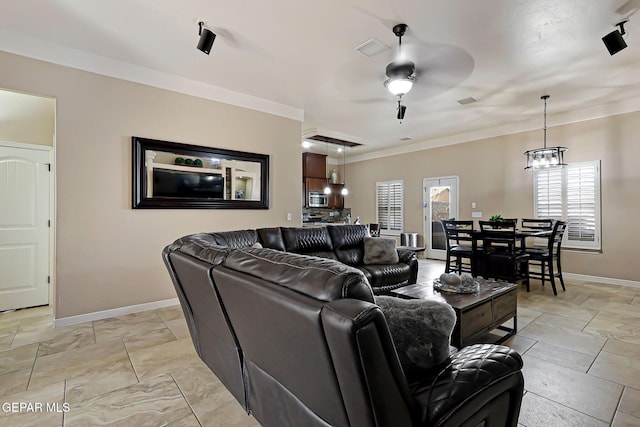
x: 546, y: 257
x: 459, y: 245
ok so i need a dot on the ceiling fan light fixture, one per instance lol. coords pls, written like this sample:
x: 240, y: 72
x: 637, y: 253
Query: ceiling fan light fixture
x: 399, y: 86
x: 400, y: 73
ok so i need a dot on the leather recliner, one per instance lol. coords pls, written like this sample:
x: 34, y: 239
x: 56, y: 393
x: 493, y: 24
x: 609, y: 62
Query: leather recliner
x: 298, y: 340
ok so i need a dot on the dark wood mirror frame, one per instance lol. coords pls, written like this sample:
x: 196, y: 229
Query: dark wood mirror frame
x: 145, y: 151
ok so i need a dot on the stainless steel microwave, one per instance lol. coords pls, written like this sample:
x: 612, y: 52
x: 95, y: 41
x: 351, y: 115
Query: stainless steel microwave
x: 318, y: 199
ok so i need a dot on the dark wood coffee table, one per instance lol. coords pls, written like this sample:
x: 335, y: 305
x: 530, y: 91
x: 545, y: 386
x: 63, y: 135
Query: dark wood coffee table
x: 476, y: 314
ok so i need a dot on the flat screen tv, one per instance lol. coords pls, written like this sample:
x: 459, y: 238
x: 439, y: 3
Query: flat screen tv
x: 184, y: 184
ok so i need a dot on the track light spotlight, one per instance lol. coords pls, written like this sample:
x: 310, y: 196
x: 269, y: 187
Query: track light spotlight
x: 614, y: 41
x: 207, y: 37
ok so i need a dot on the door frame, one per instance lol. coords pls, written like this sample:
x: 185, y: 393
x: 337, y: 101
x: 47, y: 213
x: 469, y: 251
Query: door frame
x: 52, y: 210
x: 426, y: 210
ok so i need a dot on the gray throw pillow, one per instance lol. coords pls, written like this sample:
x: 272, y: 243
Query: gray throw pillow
x: 421, y: 331
x: 378, y: 250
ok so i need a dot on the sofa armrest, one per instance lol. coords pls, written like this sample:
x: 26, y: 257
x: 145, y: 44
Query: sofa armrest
x: 481, y: 382
x: 406, y: 255
x: 410, y: 258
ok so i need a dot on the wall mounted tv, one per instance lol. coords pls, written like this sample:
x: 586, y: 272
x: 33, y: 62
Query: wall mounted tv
x: 184, y: 184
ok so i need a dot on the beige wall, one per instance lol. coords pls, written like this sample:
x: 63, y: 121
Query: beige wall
x: 26, y: 118
x: 107, y: 254
x: 491, y: 174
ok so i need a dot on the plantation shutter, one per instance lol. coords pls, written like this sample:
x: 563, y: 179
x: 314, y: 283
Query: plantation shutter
x: 389, y: 206
x: 549, y: 194
x: 582, y: 203
x: 571, y: 194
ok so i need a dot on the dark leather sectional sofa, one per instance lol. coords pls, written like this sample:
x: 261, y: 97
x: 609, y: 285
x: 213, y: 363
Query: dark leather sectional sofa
x: 299, y: 341
x: 344, y: 243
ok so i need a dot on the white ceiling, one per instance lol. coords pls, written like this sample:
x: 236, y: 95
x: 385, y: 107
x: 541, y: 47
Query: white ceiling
x: 295, y: 58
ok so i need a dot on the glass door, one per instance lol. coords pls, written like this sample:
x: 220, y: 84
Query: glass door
x: 440, y: 202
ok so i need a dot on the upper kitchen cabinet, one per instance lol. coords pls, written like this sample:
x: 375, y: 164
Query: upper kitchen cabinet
x: 314, y: 165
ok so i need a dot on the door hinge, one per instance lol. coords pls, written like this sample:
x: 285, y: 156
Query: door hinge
x: 48, y: 279
x: 48, y: 166
x: 49, y: 223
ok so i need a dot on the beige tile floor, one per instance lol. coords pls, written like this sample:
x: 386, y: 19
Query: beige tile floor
x: 581, y: 351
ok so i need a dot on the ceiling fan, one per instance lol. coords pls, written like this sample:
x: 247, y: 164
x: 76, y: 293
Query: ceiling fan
x: 426, y: 69
x: 400, y: 73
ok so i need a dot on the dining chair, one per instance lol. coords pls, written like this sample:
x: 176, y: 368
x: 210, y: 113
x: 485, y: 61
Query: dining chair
x: 502, y: 258
x: 537, y: 223
x: 508, y: 225
x: 459, y: 245
x: 545, y: 257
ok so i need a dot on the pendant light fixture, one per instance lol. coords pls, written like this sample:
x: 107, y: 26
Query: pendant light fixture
x: 344, y: 191
x: 327, y: 189
x: 550, y: 157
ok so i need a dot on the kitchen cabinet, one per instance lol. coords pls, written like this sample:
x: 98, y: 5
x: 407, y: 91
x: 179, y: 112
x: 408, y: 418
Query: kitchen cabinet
x: 336, y: 199
x: 315, y: 184
x: 314, y: 165
x: 314, y: 174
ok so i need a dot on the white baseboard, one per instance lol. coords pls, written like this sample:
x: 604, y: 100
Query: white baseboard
x: 114, y: 312
x: 120, y: 311
x: 597, y: 279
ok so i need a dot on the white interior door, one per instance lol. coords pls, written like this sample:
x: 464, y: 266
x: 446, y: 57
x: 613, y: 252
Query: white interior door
x: 24, y: 228
x: 440, y: 201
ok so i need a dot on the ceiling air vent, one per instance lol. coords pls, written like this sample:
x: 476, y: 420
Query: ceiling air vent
x: 372, y: 47
x: 466, y: 101
x: 406, y: 138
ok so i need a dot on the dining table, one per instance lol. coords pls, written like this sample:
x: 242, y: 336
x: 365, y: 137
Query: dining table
x: 521, y: 234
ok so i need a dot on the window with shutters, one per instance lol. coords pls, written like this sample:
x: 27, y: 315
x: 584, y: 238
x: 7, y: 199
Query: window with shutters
x: 390, y: 206
x: 571, y: 194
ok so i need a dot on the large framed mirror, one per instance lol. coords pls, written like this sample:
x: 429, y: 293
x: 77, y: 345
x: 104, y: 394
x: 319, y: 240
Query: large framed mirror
x: 169, y: 175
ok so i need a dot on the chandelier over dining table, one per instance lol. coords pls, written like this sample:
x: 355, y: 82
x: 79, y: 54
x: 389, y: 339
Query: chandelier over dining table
x: 545, y: 157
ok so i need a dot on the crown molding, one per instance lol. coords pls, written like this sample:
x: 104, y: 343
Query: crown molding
x: 558, y: 119
x: 73, y: 58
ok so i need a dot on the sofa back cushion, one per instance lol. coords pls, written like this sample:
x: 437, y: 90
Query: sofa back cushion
x: 236, y: 238
x: 274, y: 302
x: 322, y: 279
x: 271, y: 238
x: 202, y: 246
x: 348, y: 242
x: 313, y: 241
x: 290, y: 379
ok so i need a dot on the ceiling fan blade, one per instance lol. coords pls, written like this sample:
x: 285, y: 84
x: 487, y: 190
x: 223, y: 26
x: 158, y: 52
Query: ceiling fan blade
x: 369, y: 101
